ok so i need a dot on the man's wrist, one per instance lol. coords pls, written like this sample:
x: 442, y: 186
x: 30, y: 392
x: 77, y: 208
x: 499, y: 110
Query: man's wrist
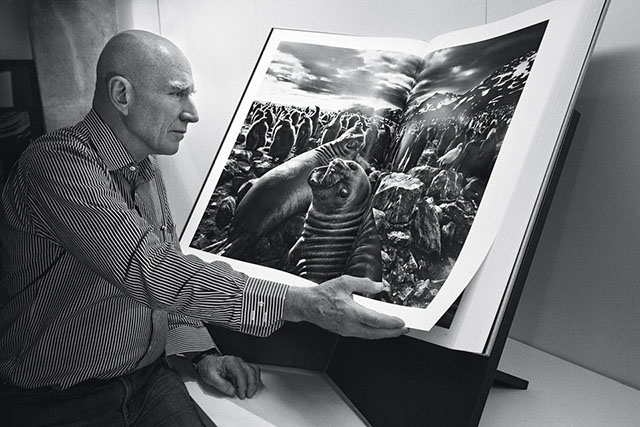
x: 293, y: 304
x: 198, y: 357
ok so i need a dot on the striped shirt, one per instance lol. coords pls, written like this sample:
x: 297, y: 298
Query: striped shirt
x: 93, y: 282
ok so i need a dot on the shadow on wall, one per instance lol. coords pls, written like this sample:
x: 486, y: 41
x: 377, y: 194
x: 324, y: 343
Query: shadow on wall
x: 589, y: 243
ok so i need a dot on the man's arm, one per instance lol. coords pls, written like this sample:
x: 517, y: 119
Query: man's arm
x: 330, y: 305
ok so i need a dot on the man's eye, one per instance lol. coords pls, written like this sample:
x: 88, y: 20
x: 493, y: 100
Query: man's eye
x: 182, y: 93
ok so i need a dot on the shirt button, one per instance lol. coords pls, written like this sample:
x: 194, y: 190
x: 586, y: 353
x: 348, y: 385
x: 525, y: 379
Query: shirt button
x: 133, y: 168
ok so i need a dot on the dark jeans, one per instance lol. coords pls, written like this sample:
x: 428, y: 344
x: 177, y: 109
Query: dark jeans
x: 150, y: 397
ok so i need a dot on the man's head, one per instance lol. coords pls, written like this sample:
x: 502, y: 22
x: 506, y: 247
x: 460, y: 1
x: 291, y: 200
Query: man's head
x: 144, y: 92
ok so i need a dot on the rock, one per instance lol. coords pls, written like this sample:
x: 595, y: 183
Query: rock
x: 245, y: 168
x: 230, y: 170
x: 428, y: 158
x: 447, y: 185
x: 425, y: 228
x: 242, y: 155
x: 380, y: 219
x: 262, y: 166
x: 474, y: 190
x: 457, y: 220
x: 424, y: 174
x: 460, y: 212
x: 397, y: 195
x: 225, y: 213
x: 386, y: 258
x: 399, y: 239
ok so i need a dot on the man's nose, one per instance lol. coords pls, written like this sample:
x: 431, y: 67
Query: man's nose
x: 190, y: 112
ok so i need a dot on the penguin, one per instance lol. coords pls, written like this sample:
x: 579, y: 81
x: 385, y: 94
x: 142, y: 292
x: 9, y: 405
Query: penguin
x: 447, y: 136
x: 257, y: 134
x: 283, y: 138
x: 303, y: 134
x: 382, y: 145
x: 295, y: 118
x: 402, y: 148
x: 450, y: 156
x: 332, y: 130
x: 270, y: 119
x: 370, y: 140
x: 420, y: 143
x: 315, y: 118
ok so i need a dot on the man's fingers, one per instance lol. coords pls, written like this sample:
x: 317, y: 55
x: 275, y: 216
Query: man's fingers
x: 238, y: 374
x: 373, y: 324
x: 363, y: 285
x: 221, y: 384
x: 253, y: 379
x: 378, y: 320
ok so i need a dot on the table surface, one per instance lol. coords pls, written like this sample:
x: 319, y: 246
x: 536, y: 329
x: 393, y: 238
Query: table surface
x: 559, y: 394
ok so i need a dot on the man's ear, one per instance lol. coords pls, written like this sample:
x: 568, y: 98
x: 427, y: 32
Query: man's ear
x: 120, y: 93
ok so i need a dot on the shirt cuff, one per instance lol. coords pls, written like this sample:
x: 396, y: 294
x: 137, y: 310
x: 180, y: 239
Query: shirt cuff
x: 262, y: 306
x: 187, y: 339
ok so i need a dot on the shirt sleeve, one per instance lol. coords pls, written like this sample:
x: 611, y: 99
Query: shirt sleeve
x: 186, y: 335
x: 72, y: 201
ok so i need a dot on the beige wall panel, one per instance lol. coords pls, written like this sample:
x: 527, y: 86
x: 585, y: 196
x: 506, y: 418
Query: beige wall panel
x: 66, y: 37
x: 14, y: 31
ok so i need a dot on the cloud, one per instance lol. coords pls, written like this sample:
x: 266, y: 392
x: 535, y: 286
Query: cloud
x: 341, y: 73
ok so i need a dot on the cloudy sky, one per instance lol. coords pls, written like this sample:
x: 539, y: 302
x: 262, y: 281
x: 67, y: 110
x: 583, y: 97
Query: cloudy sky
x: 334, y: 78
x: 461, y: 68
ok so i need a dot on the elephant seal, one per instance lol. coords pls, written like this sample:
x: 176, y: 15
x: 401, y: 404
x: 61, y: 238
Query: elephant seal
x: 282, y: 192
x: 339, y: 235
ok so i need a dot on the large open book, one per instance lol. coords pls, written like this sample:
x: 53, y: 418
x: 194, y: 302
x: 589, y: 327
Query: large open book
x: 419, y: 164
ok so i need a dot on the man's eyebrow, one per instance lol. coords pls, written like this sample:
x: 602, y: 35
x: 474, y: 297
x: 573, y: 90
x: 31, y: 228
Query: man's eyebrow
x: 179, y: 86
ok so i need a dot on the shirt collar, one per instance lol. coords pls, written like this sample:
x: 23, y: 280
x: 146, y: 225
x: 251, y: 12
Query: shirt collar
x: 112, y: 151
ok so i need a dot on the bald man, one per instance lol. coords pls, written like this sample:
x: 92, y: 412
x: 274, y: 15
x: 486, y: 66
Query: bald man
x: 96, y: 296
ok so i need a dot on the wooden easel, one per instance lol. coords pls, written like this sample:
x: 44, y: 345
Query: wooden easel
x: 403, y: 381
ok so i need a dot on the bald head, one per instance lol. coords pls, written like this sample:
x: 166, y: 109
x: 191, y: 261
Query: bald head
x: 134, y: 54
x: 143, y: 92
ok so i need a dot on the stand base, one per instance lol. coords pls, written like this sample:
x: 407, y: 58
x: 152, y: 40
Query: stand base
x: 502, y: 379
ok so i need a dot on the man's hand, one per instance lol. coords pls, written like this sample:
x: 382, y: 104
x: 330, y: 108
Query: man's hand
x: 230, y: 374
x: 330, y: 305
